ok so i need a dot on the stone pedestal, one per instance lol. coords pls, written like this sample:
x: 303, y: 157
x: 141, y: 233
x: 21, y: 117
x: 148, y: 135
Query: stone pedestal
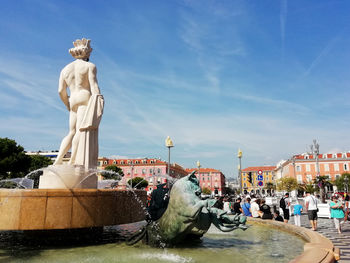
x: 67, y: 177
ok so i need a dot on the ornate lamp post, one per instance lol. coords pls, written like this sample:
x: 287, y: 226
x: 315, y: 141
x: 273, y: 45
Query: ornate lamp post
x: 169, y: 144
x: 199, y: 167
x: 239, y: 155
x: 346, y: 182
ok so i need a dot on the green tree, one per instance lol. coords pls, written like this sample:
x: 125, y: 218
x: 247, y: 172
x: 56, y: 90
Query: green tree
x: 206, y: 191
x: 115, y: 169
x: 13, y: 160
x: 322, y: 181
x: 287, y: 184
x: 138, y: 183
x: 340, y: 182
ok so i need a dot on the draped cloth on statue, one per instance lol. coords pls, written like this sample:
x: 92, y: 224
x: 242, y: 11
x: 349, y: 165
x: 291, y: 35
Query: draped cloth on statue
x: 87, y: 151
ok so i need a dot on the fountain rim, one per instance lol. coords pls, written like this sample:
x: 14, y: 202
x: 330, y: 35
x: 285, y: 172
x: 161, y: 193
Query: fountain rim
x: 317, y: 247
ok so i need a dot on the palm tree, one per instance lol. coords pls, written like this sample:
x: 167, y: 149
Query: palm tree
x: 322, y: 181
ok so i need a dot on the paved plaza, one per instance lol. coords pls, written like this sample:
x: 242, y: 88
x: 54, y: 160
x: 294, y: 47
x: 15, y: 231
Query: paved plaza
x: 326, y: 228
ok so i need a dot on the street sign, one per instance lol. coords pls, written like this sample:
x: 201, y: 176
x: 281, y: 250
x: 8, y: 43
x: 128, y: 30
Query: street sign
x: 260, y: 183
x: 260, y: 177
x: 260, y: 172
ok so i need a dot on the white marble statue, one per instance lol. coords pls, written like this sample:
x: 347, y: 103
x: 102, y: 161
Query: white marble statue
x: 85, y: 106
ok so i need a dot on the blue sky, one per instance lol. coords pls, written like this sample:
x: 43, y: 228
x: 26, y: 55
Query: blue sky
x: 264, y: 76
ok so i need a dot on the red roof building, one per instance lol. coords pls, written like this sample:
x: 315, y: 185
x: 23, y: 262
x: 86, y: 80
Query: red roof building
x: 152, y: 169
x: 304, y: 167
x: 210, y: 178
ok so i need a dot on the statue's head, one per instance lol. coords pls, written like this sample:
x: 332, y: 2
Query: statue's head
x: 81, y: 49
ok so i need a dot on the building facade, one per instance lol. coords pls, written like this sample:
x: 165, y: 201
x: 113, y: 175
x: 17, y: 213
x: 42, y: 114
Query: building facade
x: 210, y: 178
x: 304, y: 167
x: 153, y: 170
x: 261, y: 177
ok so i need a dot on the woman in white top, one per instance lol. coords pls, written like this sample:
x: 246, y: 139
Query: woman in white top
x: 254, y: 208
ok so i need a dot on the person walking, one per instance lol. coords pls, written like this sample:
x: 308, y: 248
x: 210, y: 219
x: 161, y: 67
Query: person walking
x: 346, y: 207
x: 284, y: 205
x: 311, y: 209
x: 337, y: 212
x: 298, y: 208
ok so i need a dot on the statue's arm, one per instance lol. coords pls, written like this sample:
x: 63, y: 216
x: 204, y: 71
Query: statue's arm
x: 93, y: 80
x: 62, y: 91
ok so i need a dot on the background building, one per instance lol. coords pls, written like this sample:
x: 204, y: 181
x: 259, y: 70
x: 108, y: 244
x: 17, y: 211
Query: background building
x: 304, y: 167
x: 266, y: 173
x: 210, y: 178
x: 153, y: 170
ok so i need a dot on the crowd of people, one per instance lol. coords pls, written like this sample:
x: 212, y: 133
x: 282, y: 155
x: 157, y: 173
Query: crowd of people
x: 251, y: 206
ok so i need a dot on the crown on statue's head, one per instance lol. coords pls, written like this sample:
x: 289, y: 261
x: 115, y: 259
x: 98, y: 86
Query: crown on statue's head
x: 81, y: 49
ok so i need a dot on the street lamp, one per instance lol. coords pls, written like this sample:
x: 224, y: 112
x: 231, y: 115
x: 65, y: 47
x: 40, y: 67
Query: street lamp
x: 199, y: 167
x: 239, y: 155
x: 346, y: 181
x: 169, y: 144
x: 315, y: 150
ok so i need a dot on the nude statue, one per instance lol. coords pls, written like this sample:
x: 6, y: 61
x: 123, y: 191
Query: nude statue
x: 79, y: 77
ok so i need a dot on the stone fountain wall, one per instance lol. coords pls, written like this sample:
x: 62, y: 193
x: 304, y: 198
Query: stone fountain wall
x: 44, y: 209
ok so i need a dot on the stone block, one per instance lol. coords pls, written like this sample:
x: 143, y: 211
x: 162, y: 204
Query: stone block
x: 10, y: 207
x: 58, y: 212
x: 32, y: 214
x: 84, y: 211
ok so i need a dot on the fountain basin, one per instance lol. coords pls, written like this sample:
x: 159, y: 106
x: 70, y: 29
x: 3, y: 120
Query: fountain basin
x: 317, y: 249
x: 45, y: 209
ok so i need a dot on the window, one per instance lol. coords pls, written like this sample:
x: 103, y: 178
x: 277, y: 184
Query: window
x: 298, y: 168
x: 244, y: 185
x: 143, y: 171
x: 151, y: 180
x: 328, y: 176
x: 306, y: 157
x: 151, y: 171
x: 137, y: 162
x: 299, y: 178
x: 121, y: 162
x: 326, y: 167
x: 308, y: 167
x: 336, y: 167
x: 158, y: 171
x: 105, y: 162
x: 346, y: 167
x: 114, y: 162
x: 334, y: 155
x: 151, y: 161
x: 337, y: 176
x: 309, y: 177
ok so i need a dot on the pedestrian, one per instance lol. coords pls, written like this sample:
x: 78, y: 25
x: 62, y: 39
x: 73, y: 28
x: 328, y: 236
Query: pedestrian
x: 278, y: 217
x: 346, y: 207
x: 246, y: 208
x: 298, y: 208
x: 265, y: 210
x: 337, y: 212
x: 227, y: 205
x: 237, y: 209
x: 284, y: 205
x: 311, y: 209
x: 254, y: 208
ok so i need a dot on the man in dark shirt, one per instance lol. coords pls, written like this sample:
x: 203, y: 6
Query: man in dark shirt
x: 237, y: 209
x: 278, y: 217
